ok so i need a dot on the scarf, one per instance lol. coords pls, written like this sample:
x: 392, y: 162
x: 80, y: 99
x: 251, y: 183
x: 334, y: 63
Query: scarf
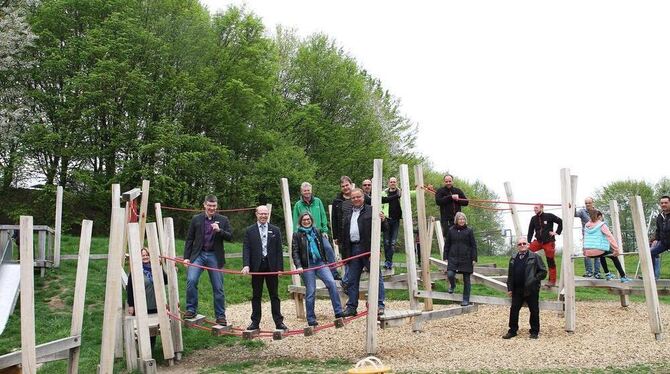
x: 310, y: 233
x: 147, y: 271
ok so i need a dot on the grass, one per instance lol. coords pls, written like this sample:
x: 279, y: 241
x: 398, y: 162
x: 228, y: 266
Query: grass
x: 54, y: 297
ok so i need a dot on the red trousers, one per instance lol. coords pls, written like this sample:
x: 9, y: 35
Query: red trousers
x: 549, y: 252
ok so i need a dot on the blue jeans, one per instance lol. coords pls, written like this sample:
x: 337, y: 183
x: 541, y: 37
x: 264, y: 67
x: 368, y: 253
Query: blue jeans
x: 451, y: 275
x: 590, y: 265
x: 309, y: 277
x: 216, y: 278
x: 354, y: 278
x: 391, y: 238
x: 330, y: 255
x: 656, y: 250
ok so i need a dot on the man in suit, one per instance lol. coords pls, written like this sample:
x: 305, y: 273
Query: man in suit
x: 204, y: 247
x: 262, y: 252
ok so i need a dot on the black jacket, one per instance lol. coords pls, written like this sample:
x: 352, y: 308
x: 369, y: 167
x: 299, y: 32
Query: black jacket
x: 534, y: 273
x: 252, y: 248
x: 663, y: 229
x: 448, y: 206
x: 300, y: 249
x: 340, y: 207
x: 541, y: 225
x: 395, y: 211
x: 460, y: 249
x: 149, y: 292
x: 364, y: 228
x: 194, y: 237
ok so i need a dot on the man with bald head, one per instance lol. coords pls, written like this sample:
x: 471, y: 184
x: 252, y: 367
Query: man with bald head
x: 592, y: 268
x: 450, y: 199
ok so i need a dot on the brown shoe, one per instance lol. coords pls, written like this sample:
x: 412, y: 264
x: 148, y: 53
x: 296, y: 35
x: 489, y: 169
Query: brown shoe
x: 189, y: 315
x: 222, y: 321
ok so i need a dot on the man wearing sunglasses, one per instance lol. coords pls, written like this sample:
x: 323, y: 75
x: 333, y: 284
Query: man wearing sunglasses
x: 526, y: 270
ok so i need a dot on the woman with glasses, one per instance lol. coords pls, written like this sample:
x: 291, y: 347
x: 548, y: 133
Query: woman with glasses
x: 308, y: 252
x: 460, y: 252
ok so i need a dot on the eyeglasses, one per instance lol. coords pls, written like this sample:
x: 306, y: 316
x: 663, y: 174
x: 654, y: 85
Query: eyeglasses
x: 521, y: 244
x: 366, y: 185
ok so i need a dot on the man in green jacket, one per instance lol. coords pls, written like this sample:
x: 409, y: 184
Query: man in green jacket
x: 313, y: 205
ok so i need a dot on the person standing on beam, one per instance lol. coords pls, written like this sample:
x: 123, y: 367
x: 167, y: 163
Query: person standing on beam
x: 661, y: 241
x: 450, y: 199
x: 542, y: 226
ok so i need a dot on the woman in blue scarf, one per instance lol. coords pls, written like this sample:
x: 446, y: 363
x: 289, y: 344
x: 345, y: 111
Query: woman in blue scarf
x: 148, y: 289
x: 308, y: 252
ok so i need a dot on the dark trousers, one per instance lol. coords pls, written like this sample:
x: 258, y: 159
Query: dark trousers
x: 533, y: 301
x: 272, y: 282
x: 451, y: 275
x: 617, y: 265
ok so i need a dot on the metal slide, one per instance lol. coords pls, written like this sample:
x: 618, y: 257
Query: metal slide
x: 10, y: 276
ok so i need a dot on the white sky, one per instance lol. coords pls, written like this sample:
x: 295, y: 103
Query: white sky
x: 513, y: 90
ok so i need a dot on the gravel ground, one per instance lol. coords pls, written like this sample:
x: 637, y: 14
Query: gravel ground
x: 607, y: 335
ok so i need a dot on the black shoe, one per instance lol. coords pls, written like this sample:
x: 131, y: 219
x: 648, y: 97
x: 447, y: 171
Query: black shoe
x: 380, y: 311
x: 337, y: 276
x: 465, y: 303
x: 533, y: 336
x: 281, y: 326
x: 339, y: 315
x: 509, y: 335
x: 222, y: 321
x: 253, y: 326
x: 189, y: 315
x: 315, y: 323
x: 349, y: 313
x: 450, y: 290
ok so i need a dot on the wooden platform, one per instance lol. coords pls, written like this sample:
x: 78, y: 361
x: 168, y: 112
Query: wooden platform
x: 544, y: 305
x: 395, y: 318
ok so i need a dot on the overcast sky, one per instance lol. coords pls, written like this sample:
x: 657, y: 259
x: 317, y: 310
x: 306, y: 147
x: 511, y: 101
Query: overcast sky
x: 513, y: 90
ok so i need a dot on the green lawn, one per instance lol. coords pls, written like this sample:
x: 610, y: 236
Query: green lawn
x: 54, y: 296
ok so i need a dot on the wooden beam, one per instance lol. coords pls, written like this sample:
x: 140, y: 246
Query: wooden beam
x: 159, y: 290
x: 373, y: 289
x: 408, y: 239
x: 144, y: 206
x: 41, y: 252
x: 135, y: 251
x: 28, y: 355
x: 46, y: 352
x: 58, y: 225
x: 129, y: 195
x: 80, y: 293
x: 642, y: 240
x: 173, y: 288
x: 112, y: 308
x: 160, y: 227
x: 129, y: 343
x: 568, y: 244
x: 269, y: 206
x: 515, y: 212
x: 288, y: 222
x: 440, y: 237
x: 116, y: 195
x: 490, y: 282
x: 544, y: 305
x: 446, y: 313
x: 616, y: 231
x: 423, y: 235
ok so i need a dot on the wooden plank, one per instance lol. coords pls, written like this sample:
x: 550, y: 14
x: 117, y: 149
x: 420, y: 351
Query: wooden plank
x: 440, y: 237
x: 173, y: 288
x: 431, y: 231
x: 490, y: 282
x: 159, y: 290
x: 515, y: 212
x: 446, y: 313
x: 129, y: 195
x: 144, y: 206
x: 58, y: 225
x: 112, y: 308
x: 642, y: 240
x: 399, y: 314
x: 567, y: 271
x: 616, y: 231
x: 160, y: 226
x: 288, y: 224
x: 28, y: 355
x: 80, y: 293
x: 544, y: 305
x: 134, y: 249
x: 130, y: 345
x: 423, y: 235
x: 44, y: 352
x: 373, y: 289
x: 41, y: 251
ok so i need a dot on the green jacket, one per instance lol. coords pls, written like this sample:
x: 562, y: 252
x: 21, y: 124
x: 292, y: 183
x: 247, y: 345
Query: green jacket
x: 316, y: 209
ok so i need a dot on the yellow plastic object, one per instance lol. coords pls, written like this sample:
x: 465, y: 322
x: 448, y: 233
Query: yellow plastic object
x: 369, y: 365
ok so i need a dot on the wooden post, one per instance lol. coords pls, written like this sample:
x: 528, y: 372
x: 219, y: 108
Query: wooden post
x: 129, y: 343
x: 423, y: 235
x: 515, y: 212
x: 80, y: 293
x: 440, y: 237
x: 567, y: 268
x: 561, y: 280
x: 58, y: 225
x: 173, y: 288
x: 144, y: 205
x: 141, y: 316
x: 116, y: 195
x: 160, y: 226
x: 28, y: 354
x: 159, y: 290
x: 288, y: 221
x: 269, y: 206
x: 431, y: 231
x: 616, y: 231
x: 112, y: 291
x: 373, y: 283
x: 408, y: 232
x: 42, y: 251
x: 651, y: 295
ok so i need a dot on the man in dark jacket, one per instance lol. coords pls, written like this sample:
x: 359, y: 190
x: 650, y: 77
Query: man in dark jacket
x: 450, y: 199
x: 341, y: 204
x: 262, y: 252
x: 204, y: 247
x: 356, y: 238
x: 542, y: 226
x: 661, y: 241
x: 525, y: 271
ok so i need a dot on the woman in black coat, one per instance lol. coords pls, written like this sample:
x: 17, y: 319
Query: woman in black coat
x: 460, y: 252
